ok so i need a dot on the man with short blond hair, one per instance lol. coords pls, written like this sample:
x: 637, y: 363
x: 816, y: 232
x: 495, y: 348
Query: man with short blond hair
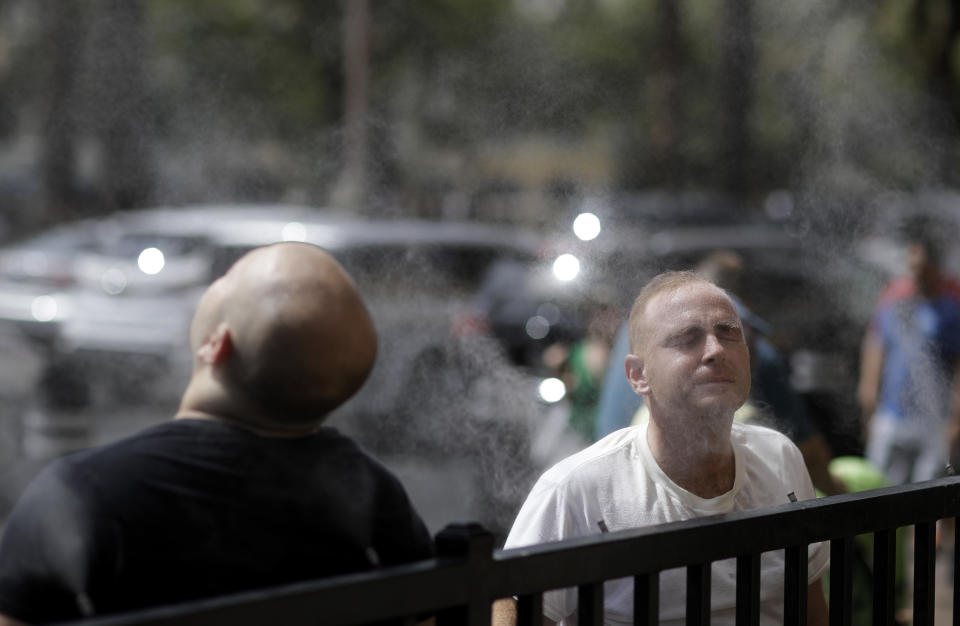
x: 690, y: 362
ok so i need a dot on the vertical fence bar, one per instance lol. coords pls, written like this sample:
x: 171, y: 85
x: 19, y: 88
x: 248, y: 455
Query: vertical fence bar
x: 473, y: 543
x: 884, y: 571
x: 748, y: 590
x: 795, y: 586
x: 698, y: 594
x: 841, y: 581
x: 530, y: 610
x: 590, y: 604
x: 956, y: 571
x: 646, y: 599
x: 924, y: 557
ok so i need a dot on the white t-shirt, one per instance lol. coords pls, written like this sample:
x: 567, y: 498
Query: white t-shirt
x: 617, y: 480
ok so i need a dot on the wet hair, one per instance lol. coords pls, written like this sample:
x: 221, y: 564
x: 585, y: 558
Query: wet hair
x: 661, y: 283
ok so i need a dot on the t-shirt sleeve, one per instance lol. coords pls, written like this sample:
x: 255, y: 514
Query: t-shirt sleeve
x: 544, y: 518
x: 401, y: 535
x: 43, y: 553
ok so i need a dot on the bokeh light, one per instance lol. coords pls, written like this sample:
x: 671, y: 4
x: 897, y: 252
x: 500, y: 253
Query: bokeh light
x: 294, y: 231
x: 566, y: 267
x: 552, y: 390
x: 586, y: 226
x: 151, y: 261
x: 537, y: 327
x: 44, y: 308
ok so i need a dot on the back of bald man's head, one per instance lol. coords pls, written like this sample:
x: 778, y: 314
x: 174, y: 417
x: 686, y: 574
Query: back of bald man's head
x: 303, y: 341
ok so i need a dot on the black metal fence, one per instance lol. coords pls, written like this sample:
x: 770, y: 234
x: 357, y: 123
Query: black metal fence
x: 459, y: 586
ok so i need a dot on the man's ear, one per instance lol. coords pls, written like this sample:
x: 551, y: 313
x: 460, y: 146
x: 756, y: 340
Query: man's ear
x: 636, y: 374
x: 217, y: 347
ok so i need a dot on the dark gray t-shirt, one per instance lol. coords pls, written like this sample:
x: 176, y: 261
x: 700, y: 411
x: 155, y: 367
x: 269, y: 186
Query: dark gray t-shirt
x: 197, y: 508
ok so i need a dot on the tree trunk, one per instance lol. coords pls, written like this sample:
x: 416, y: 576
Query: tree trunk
x: 125, y: 123
x: 665, y: 134
x: 351, y: 192
x: 57, y: 161
x: 738, y: 54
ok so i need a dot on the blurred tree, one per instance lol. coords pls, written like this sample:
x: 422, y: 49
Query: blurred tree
x: 246, y: 99
x: 668, y: 119
x: 936, y: 32
x: 738, y: 69
x: 350, y: 192
x: 65, y: 25
x: 936, y: 35
x: 121, y: 104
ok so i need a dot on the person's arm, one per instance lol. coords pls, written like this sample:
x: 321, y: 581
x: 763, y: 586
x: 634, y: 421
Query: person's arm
x: 817, y: 455
x: 817, y: 614
x: 504, y: 613
x: 871, y: 364
x: 953, y: 427
x: 772, y: 380
x: 9, y: 621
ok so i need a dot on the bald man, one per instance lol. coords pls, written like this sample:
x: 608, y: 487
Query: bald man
x: 244, y: 488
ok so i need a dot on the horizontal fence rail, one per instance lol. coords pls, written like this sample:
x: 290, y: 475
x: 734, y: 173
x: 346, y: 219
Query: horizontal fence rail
x: 459, y: 586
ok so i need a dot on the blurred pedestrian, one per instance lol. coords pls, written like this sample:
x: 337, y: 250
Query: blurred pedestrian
x: 908, y: 370
x: 773, y: 402
x: 581, y: 364
x: 244, y: 488
x: 690, y: 362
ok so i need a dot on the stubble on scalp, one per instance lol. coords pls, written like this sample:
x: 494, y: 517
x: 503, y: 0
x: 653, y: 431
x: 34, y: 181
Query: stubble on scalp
x: 667, y: 282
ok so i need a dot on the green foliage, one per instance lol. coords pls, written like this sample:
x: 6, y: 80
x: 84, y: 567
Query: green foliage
x: 453, y: 76
x: 270, y: 66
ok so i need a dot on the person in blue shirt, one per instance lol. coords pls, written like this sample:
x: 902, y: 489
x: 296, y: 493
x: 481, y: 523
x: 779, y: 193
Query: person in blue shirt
x: 908, y: 383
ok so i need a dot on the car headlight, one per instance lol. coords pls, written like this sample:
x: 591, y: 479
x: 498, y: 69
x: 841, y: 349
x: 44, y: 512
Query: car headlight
x: 44, y: 308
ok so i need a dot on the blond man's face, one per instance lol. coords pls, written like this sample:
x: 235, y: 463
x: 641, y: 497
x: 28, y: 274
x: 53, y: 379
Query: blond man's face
x: 694, y: 357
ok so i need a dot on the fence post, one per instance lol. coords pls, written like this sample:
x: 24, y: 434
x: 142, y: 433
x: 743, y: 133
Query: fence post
x: 956, y: 573
x: 748, y: 590
x: 795, y: 585
x: 884, y: 567
x: 924, y: 556
x: 646, y: 599
x: 841, y: 581
x: 698, y: 594
x: 471, y: 542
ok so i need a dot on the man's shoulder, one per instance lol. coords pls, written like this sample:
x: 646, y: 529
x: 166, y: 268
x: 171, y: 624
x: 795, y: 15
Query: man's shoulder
x: 762, y: 447
x: 618, y: 447
x: 134, y: 447
x: 756, y: 435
